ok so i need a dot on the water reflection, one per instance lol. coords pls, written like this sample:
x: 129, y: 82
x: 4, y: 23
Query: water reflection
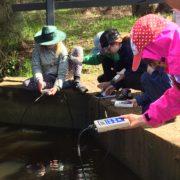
x: 30, y: 154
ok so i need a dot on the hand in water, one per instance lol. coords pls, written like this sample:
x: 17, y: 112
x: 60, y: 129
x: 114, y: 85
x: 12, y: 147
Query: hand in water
x: 135, y: 121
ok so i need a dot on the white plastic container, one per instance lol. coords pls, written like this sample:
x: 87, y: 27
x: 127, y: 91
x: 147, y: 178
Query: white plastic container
x: 126, y: 104
x: 109, y: 124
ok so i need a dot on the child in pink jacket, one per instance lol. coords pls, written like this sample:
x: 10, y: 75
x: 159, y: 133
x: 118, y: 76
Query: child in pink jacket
x: 153, y: 37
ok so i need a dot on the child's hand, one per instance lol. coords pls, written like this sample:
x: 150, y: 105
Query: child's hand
x: 80, y: 59
x: 135, y: 104
x: 103, y: 85
x: 41, y: 85
x: 52, y: 91
x: 135, y: 121
x: 109, y: 90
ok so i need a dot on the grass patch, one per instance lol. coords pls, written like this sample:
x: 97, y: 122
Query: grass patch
x: 25, y: 70
x: 80, y: 29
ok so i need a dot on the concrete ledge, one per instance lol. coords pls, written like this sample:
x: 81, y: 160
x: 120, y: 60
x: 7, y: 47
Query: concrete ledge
x: 153, y: 154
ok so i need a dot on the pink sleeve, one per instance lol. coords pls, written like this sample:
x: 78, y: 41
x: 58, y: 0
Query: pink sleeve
x: 165, y: 108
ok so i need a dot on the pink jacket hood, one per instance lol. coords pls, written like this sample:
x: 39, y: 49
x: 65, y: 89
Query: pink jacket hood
x: 166, y: 46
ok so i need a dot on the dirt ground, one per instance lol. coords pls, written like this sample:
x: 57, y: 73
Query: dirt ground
x: 89, y: 80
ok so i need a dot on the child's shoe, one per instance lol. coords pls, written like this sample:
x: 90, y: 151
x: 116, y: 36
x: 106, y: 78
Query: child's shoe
x: 82, y: 89
x: 124, y: 94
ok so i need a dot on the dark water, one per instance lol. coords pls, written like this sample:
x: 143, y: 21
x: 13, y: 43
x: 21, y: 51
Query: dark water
x: 30, y: 154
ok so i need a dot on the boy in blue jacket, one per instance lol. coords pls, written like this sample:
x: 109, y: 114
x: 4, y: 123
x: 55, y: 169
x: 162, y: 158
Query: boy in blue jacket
x: 154, y: 83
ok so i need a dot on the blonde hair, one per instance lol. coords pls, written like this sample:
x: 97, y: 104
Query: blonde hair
x: 58, y: 48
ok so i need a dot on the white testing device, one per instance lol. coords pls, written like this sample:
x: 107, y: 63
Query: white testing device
x: 126, y: 104
x: 110, y: 124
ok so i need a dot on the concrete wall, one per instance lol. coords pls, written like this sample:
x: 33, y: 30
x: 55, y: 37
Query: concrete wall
x: 17, y: 107
x: 152, y: 155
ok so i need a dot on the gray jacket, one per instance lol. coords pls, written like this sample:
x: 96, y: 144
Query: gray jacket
x: 44, y: 61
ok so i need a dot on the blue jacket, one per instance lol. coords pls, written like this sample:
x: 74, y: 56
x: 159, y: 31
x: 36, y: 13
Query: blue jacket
x: 154, y: 85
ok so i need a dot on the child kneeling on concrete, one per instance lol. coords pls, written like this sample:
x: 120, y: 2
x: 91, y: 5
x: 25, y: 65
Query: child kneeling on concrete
x: 51, y: 63
x: 115, y: 55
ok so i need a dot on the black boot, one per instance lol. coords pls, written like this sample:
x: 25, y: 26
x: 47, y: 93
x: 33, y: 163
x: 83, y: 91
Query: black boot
x: 80, y: 88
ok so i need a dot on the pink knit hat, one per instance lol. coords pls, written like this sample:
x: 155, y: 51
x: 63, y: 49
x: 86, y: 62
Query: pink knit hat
x: 145, y: 30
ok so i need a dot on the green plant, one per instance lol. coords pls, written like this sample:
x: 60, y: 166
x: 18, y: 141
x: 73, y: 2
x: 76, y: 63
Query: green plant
x: 9, y: 37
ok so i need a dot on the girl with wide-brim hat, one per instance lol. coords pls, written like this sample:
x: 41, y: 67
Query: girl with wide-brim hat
x: 51, y: 63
